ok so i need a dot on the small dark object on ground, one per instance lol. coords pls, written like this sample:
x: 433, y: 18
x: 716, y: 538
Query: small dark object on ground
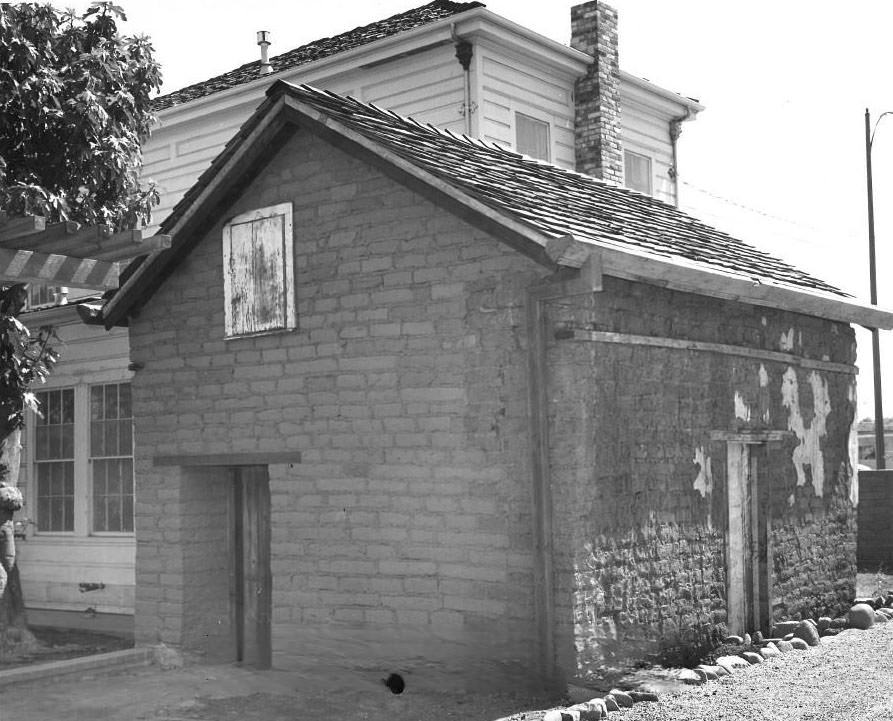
x: 395, y: 683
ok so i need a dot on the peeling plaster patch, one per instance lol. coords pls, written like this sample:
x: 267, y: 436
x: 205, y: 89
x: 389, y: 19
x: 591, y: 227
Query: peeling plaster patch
x: 764, y: 396
x: 704, y: 482
x: 809, y: 451
x: 786, y: 342
x: 742, y: 410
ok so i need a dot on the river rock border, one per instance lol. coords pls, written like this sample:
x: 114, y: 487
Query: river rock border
x: 788, y: 636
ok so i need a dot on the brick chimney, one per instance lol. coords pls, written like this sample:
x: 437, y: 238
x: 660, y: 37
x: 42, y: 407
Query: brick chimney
x: 599, y: 151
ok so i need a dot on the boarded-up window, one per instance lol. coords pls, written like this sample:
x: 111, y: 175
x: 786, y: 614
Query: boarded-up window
x: 637, y: 171
x: 532, y: 136
x: 258, y: 271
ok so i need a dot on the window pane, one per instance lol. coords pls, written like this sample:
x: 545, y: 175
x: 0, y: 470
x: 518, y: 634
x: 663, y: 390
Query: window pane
x: 637, y: 171
x: 97, y: 439
x: 66, y: 441
x: 124, y: 401
x: 127, y: 514
x: 111, y: 401
x: 96, y: 403
x: 532, y: 136
x: 53, y: 408
x: 113, y: 518
x: 111, y: 437
x: 126, y: 441
x: 55, y: 496
x: 42, y: 442
x: 67, y: 402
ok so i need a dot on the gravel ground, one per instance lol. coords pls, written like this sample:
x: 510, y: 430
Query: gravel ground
x: 848, y: 678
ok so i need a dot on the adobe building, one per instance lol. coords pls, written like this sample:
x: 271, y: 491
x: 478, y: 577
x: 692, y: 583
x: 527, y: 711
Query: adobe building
x: 412, y: 403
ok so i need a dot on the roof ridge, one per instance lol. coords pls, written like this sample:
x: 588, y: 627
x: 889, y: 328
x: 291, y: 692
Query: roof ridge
x: 318, y: 49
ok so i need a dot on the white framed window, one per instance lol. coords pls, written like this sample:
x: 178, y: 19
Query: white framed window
x: 82, y: 460
x: 54, y: 461
x: 258, y: 272
x: 111, y: 458
x: 532, y: 136
x: 637, y: 171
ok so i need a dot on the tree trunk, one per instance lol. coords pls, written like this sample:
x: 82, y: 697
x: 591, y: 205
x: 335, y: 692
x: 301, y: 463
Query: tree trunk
x: 14, y: 633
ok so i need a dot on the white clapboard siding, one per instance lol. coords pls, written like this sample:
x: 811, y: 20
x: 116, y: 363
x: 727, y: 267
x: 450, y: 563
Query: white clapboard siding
x: 649, y: 134
x: 53, y: 567
x: 428, y: 86
x: 510, y: 86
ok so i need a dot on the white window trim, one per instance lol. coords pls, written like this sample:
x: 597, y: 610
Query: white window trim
x: 290, y: 323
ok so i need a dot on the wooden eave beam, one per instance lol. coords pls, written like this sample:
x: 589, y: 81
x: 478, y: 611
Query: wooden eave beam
x: 713, y: 283
x: 26, y: 266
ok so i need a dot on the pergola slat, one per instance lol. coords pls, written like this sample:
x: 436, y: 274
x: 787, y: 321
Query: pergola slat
x: 91, y: 242
x: 26, y: 266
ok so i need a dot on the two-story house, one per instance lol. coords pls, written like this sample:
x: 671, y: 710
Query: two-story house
x: 455, y: 65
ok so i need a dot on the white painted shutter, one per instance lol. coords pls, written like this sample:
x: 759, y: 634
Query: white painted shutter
x: 258, y: 271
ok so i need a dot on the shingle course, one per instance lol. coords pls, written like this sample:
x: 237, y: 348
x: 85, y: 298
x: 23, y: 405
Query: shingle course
x: 318, y: 49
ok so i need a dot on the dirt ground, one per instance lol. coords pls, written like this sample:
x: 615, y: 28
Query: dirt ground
x: 57, y: 644
x: 229, y: 693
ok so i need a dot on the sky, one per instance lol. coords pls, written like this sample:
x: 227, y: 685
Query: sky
x: 779, y: 151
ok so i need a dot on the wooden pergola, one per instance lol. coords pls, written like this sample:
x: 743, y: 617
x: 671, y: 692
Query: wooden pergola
x: 68, y: 254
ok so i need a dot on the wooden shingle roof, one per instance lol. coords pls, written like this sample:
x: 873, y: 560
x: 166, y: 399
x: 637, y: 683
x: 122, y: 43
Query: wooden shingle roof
x: 555, y: 201
x: 556, y: 216
x: 318, y: 49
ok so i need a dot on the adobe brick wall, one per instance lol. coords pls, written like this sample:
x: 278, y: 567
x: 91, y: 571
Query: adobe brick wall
x: 183, y: 565
x: 640, y: 550
x: 875, y: 545
x: 403, y: 540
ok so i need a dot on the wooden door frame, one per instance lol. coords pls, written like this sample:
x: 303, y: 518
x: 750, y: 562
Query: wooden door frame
x: 251, y: 645
x: 747, y: 530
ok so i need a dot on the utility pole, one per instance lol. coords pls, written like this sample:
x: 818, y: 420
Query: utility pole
x: 879, y: 452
